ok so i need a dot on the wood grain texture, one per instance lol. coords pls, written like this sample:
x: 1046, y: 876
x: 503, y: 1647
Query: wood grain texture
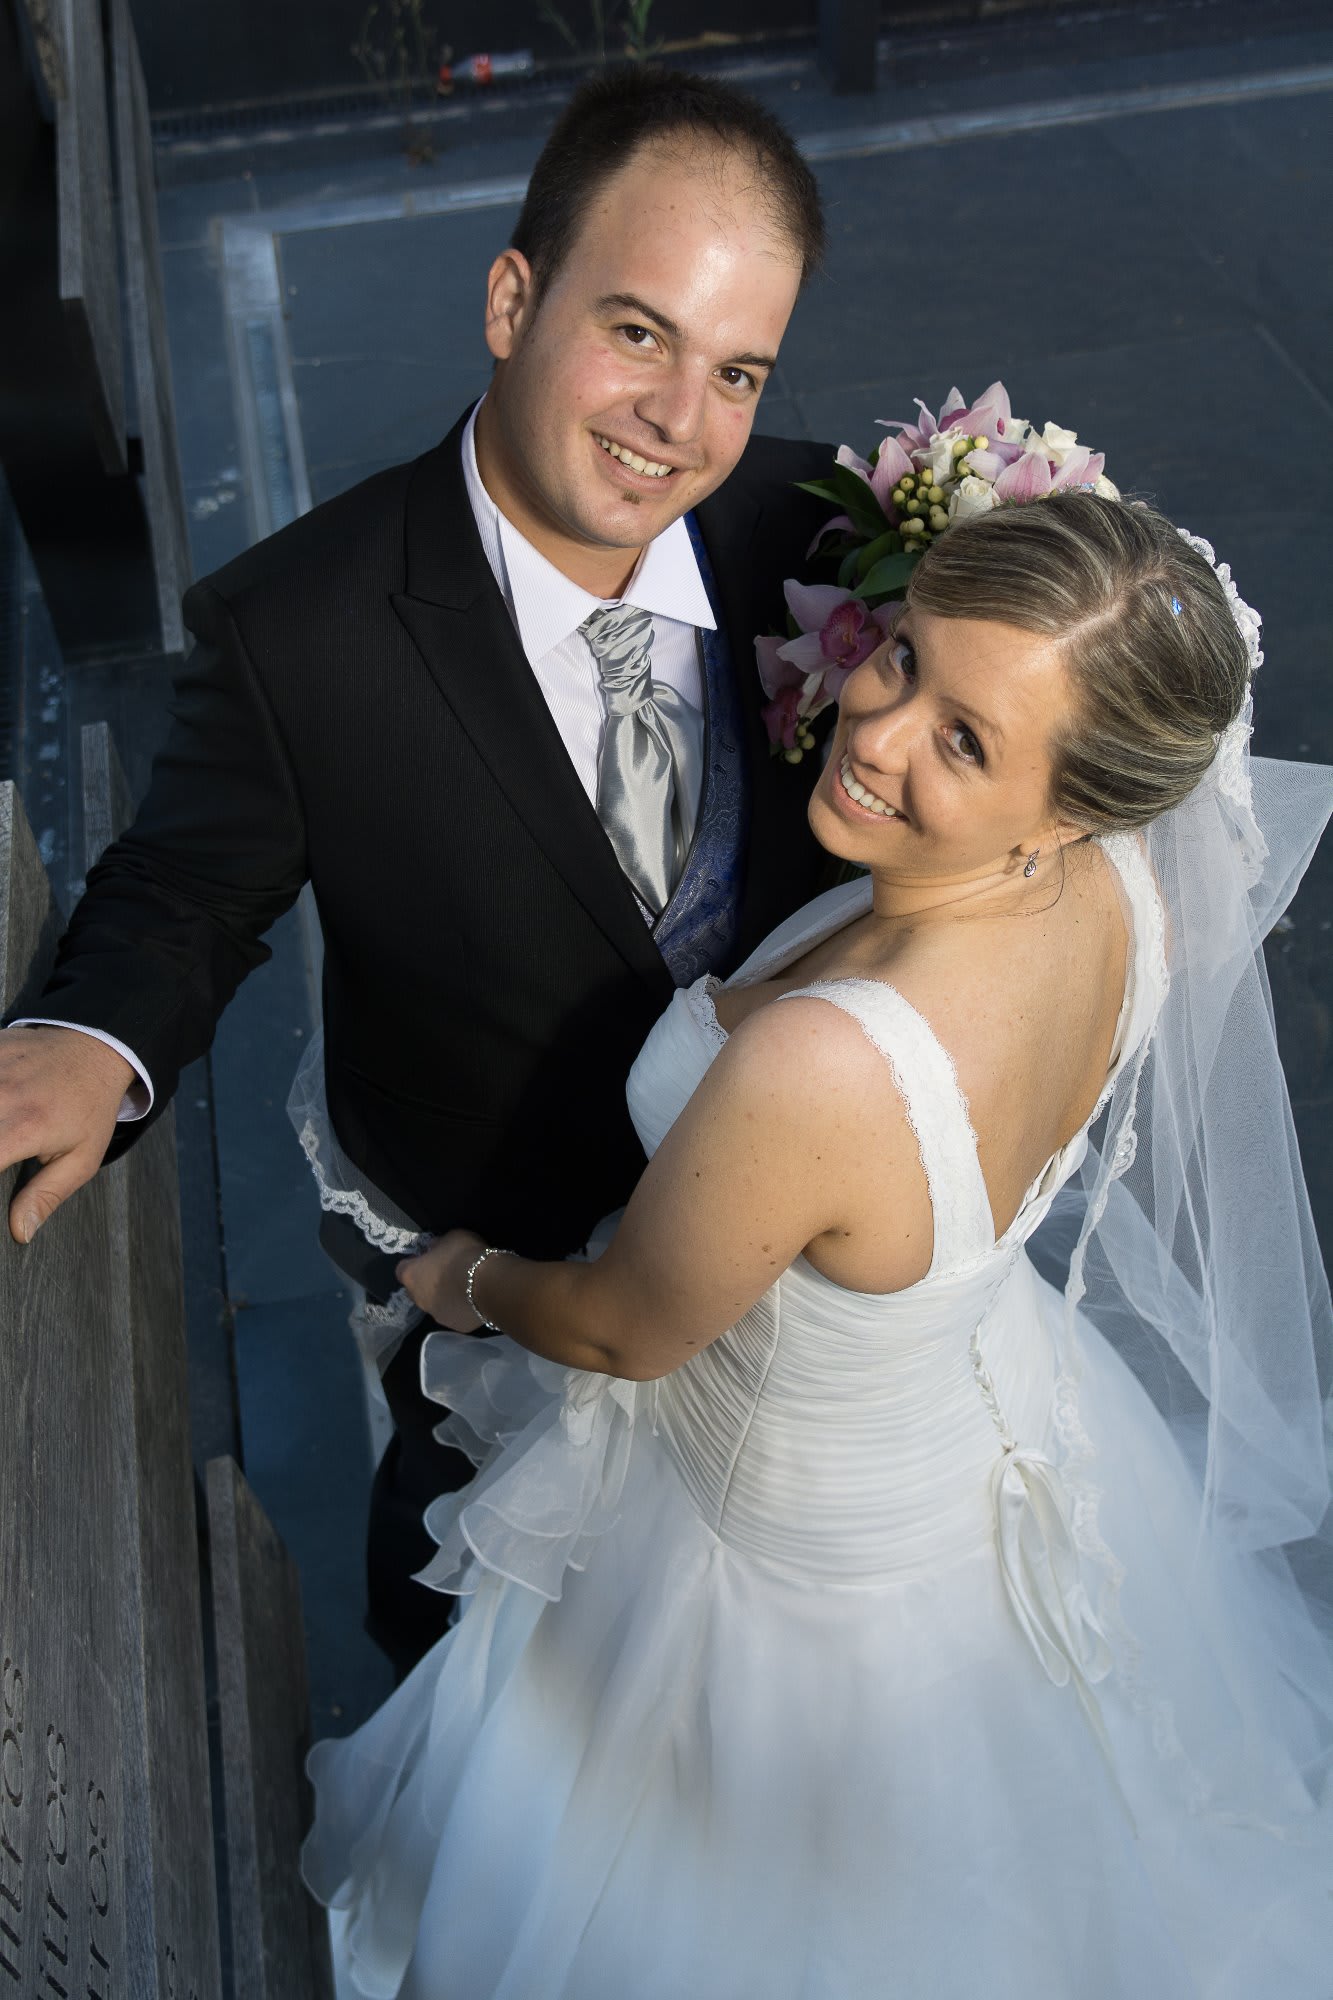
x: 29, y: 920
x: 147, y: 316
x: 63, y: 1858
x: 45, y: 19
x: 280, y: 1947
x: 171, y: 1897
x: 89, y: 262
x: 107, y: 803
x: 106, y: 1850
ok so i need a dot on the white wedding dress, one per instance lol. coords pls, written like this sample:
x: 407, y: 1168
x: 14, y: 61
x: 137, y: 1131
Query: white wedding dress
x: 866, y: 1655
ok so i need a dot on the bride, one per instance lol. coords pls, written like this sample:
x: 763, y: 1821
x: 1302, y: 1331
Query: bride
x: 848, y: 1611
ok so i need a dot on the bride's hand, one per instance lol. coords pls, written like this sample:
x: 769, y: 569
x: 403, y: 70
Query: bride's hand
x: 437, y: 1280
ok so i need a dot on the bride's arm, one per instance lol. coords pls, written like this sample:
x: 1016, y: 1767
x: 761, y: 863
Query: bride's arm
x: 768, y: 1155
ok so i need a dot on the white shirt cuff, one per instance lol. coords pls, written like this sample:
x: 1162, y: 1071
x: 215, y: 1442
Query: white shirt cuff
x: 138, y: 1099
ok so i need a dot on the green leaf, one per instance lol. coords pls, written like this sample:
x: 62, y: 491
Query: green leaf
x: 855, y: 498
x: 889, y: 575
x: 872, y: 552
x: 848, y: 566
x: 821, y: 489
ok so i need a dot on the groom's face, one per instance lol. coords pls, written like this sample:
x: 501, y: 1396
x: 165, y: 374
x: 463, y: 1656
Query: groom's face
x: 627, y: 387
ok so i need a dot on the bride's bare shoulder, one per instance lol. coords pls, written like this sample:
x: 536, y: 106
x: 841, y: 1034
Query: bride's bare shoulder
x: 1075, y: 934
x: 1028, y: 1001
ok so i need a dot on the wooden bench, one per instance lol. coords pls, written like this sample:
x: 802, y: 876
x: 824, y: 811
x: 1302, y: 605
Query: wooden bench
x: 108, y: 1883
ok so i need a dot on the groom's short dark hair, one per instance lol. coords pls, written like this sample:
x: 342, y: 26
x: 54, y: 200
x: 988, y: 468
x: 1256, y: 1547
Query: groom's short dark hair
x: 612, y: 115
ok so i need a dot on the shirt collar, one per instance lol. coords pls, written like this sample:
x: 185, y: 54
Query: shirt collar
x: 546, y: 605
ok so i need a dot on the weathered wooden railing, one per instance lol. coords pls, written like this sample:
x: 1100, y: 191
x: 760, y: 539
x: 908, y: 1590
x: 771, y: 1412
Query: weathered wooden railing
x: 107, y: 1871
x: 93, y: 473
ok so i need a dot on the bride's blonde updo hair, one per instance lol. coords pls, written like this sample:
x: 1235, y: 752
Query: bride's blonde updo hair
x: 1157, y: 664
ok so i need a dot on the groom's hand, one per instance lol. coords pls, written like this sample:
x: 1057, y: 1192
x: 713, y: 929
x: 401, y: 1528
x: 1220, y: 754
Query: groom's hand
x: 60, y: 1092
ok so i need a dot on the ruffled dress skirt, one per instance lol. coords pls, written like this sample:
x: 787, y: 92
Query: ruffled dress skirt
x: 664, y: 1766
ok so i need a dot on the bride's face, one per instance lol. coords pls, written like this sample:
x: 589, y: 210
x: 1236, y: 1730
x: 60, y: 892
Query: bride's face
x: 948, y: 725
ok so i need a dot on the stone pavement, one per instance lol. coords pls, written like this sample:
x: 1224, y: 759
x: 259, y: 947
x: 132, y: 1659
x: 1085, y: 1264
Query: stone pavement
x: 1127, y: 219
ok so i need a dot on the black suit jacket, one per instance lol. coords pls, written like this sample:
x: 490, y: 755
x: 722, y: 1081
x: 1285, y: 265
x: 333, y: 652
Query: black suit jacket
x: 358, y: 711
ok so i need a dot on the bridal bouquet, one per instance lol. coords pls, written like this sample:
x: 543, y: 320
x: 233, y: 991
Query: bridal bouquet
x: 916, y: 484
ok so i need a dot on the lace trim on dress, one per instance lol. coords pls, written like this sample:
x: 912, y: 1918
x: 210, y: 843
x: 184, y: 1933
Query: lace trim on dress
x: 1127, y: 855
x: 936, y: 1108
x: 699, y: 999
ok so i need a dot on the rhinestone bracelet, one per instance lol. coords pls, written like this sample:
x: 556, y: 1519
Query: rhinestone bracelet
x: 472, y: 1271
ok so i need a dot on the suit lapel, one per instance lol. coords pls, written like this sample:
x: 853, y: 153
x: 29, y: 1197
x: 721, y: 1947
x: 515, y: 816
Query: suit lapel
x: 452, y: 609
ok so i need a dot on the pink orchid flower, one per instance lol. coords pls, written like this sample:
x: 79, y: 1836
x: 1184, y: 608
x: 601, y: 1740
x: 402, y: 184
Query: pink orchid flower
x: 989, y: 414
x: 802, y: 676
x: 991, y: 417
x: 881, y: 477
x: 989, y: 464
x: 1031, y: 476
x: 1028, y: 478
x: 781, y: 717
x: 841, y: 524
x: 914, y: 437
x: 1081, y: 468
x: 954, y: 416
x: 775, y: 673
x: 837, y: 631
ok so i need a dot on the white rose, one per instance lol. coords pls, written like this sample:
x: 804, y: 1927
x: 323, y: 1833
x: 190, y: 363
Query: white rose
x: 971, y: 496
x: 1055, y: 443
x: 1106, y: 489
x: 938, y: 454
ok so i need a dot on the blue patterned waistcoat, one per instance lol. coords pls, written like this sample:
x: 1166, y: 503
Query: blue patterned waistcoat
x: 696, y: 933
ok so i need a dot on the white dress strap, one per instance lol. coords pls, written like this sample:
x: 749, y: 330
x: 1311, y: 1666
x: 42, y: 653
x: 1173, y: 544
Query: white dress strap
x: 936, y: 1110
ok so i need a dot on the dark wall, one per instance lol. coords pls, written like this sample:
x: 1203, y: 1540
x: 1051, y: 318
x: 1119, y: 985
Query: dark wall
x: 201, y: 53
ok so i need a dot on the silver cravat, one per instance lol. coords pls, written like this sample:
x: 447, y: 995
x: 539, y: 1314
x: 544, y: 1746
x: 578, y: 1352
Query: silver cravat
x: 650, y: 772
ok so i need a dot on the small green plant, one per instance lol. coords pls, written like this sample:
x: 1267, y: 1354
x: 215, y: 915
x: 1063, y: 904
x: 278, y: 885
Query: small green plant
x: 605, y: 16
x: 636, y: 30
x: 399, y: 52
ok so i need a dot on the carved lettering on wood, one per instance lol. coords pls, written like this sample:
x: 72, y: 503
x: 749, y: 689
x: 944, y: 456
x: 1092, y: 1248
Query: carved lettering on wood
x: 60, y: 1856
x: 13, y: 1785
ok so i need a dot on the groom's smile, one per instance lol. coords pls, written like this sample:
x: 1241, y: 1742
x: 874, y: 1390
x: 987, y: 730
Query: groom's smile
x: 628, y: 379
x: 630, y: 460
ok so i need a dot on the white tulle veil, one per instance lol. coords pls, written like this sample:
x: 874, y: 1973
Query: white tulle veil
x: 1188, y: 1232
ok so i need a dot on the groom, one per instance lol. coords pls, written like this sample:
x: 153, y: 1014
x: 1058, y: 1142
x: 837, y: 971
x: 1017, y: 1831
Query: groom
x: 500, y: 707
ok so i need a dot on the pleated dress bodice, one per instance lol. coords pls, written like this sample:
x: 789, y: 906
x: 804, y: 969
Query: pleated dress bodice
x: 854, y: 1437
